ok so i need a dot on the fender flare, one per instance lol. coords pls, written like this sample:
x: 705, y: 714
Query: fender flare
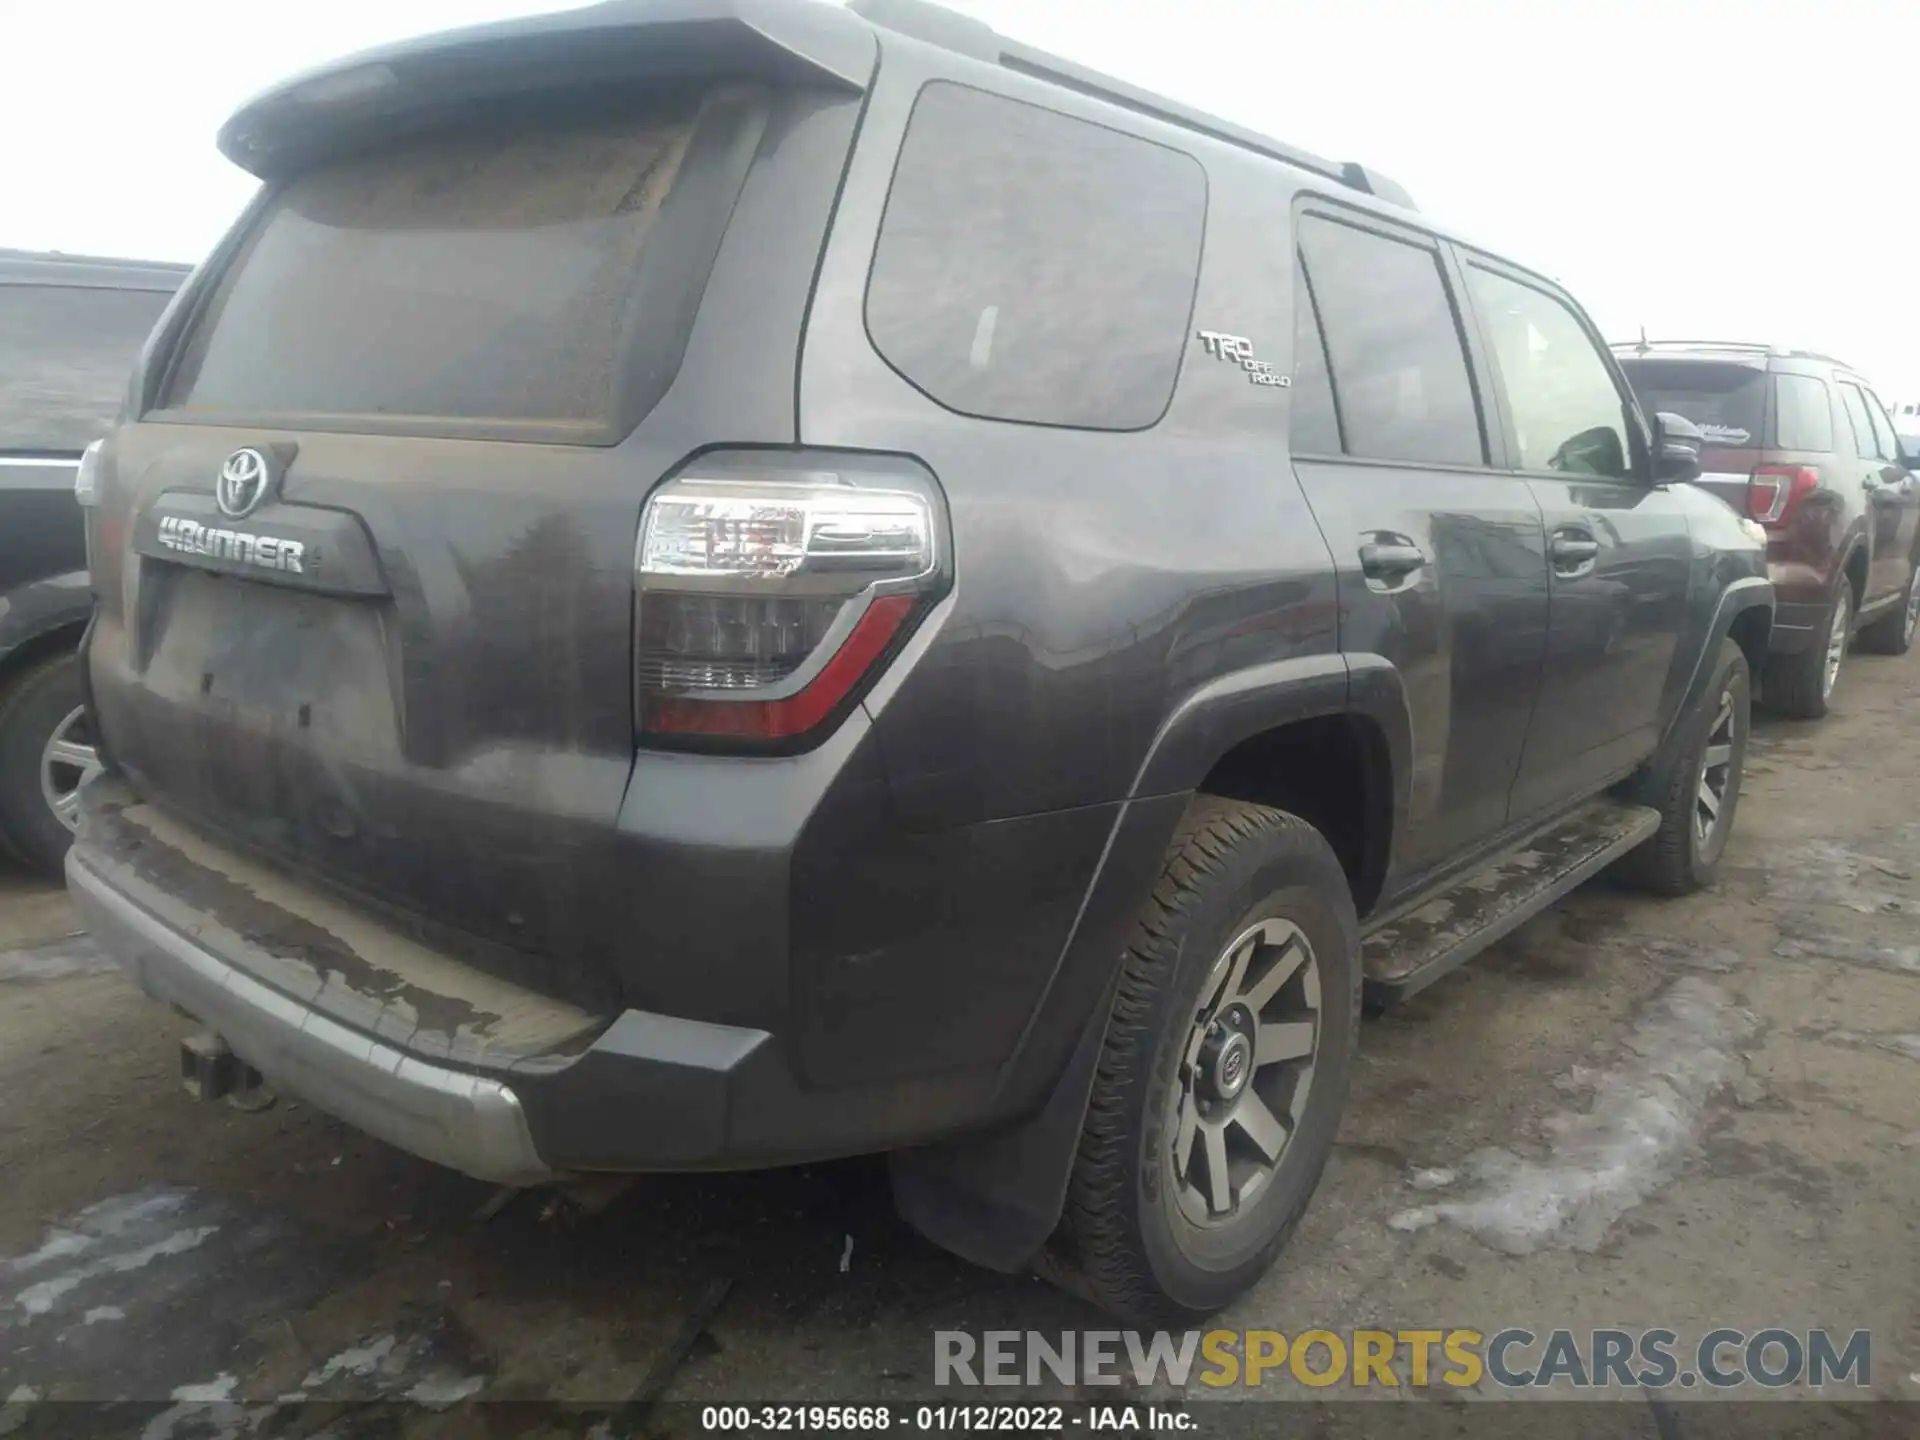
x: 1860, y: 544
x: 1751, y: 592
x: 41, y: 607
x: 995, y: 1198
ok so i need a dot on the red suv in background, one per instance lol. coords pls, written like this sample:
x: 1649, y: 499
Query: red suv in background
x: 1800, y: 443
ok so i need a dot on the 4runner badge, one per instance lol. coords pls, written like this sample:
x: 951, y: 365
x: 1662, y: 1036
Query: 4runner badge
x: 1239, y: 350
x: 268, y: 552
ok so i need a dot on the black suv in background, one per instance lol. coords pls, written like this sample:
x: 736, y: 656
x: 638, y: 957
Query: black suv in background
x: 1799, y: 442
x: 740, y: 581
x: 71, y: 328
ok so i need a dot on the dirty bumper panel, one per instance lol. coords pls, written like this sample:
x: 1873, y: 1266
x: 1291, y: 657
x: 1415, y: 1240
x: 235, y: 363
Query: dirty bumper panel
x: 468, y: 1122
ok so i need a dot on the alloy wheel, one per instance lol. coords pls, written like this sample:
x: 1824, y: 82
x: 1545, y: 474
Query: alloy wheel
x: 1714, y: 790
x: 1246, y: 1071
x: 1912, y: 621
x: 71, y: 758
x: 1837, y: 637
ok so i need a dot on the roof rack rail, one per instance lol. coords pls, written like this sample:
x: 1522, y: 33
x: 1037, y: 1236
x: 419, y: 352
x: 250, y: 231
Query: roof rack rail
x: 1642, y: 347
x: 1645, y: 344
x: 950, y: 30
x: 89, y: 272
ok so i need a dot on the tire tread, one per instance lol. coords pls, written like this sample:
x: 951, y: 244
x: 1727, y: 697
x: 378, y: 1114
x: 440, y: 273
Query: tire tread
x: 17, y: 837
x: 1108, y: 1265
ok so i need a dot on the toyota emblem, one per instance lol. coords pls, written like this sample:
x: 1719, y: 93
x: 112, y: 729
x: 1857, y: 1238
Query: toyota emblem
x: 243, y: 483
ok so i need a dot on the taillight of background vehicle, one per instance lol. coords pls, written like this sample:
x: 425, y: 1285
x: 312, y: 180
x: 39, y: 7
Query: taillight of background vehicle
x: 771, y: 589
x: 1775, y: 492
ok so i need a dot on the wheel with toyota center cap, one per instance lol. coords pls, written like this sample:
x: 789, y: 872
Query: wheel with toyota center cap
x: 1224, y: 1069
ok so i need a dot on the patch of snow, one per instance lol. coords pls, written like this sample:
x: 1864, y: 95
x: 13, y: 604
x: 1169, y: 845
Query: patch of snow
x: 17, y: 1409
x: 437, y: 1392
x: 39, y: 1298
x: 1907, y: 1045
x: 1643, y: 1119
x: 1432, y: 1178
x: 207, y: 1392
x: 104, y: 1220
x: 356, y: 1360
x: 103, y: 1312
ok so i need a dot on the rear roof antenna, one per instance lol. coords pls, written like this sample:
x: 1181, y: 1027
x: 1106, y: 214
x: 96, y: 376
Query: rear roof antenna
x: 1643, y: 347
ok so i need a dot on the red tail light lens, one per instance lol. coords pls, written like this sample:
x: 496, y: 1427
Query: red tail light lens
x: 1775, y: 492
x: 767, y: 598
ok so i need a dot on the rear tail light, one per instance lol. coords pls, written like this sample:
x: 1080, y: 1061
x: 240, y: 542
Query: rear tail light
x: 1775, y: 491
x: 768, y: 597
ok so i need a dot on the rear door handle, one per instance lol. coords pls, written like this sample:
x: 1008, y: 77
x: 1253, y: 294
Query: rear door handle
x: 1390, y: 557
x: 1574, y: 552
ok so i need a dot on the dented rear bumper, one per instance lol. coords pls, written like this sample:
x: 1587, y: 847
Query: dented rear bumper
x: 408, y: 1043
x: 466, y: 1121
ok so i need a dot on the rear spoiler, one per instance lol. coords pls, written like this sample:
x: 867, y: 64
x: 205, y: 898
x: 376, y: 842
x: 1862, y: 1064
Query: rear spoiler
x: 347, y: 104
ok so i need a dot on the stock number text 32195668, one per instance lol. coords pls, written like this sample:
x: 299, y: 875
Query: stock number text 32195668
x: 812, y: 1419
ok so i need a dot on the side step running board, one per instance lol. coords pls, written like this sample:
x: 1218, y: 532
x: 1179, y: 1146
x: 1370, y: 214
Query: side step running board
x: 1414, y: 949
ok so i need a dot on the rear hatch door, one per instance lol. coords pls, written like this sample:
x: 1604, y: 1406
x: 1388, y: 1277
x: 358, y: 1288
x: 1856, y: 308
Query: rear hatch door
x: 366, y: 560
x: 1728, y: 399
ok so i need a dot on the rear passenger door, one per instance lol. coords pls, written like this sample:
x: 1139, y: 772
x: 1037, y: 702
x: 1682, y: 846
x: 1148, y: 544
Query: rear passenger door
x: 1890, y: 501
x: 1441, y: 560
x: 1620, y: 558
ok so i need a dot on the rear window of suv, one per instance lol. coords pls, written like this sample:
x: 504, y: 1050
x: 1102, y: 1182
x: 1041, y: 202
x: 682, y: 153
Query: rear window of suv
x: 1727, y: 401
x: 1034, y: 267
x: 480, y: 275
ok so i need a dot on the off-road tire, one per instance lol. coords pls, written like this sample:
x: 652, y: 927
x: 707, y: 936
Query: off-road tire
x: 32, y: 707
x: 1229, y: 864
x: 1892, y: 633
x: 1671, y: 861
x: 1795, y: 685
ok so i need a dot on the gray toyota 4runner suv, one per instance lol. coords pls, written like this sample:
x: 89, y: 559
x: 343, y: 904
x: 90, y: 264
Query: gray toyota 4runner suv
x: 714, y: 583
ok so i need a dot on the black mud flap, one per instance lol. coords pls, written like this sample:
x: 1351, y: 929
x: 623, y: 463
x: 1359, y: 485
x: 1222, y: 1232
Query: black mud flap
x: 996, y: 1199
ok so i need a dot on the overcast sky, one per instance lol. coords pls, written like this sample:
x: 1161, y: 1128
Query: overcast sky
x: 1699, y: 167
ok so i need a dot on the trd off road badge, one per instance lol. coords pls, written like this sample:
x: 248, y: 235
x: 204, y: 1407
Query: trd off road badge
x: 1239, y: 350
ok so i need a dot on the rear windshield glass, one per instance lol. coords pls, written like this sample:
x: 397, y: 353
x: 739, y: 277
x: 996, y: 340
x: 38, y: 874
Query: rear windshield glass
x: 1727, y: 402
x: 1035, y: 267
x: 472, y: 276
x: 66, y: 353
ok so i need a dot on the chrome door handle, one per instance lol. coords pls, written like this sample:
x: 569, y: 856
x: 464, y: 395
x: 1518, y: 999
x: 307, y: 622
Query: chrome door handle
x: 1573, y: 550
x: 1388, y: 560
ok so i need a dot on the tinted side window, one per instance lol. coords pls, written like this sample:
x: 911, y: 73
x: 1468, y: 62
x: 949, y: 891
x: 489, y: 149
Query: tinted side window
x: 1316, y: 429
x: 1567, y: 413
x: 1399, y: 371
x: 1802, y: 413
x: 1863, y: 444
x: 1036, y: 267
x: 1884, y: 442
x: 66, y: 353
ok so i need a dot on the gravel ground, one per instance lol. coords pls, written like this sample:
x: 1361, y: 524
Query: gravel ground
x: 1630, y: 1113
